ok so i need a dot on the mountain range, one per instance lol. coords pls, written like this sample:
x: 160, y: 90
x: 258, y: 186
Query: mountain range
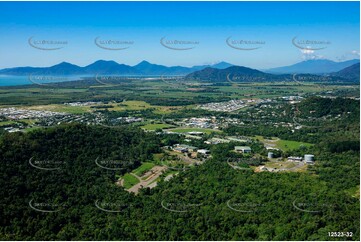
x: 222, y: 71
x: 320, y: 66
x: 232, y: 74
x: 108, y: 67
x: 245, y: 74
x: 351, y: 72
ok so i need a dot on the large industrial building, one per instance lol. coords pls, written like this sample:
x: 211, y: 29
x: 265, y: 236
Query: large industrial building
x: 309, y: 159
x: 243, y: 149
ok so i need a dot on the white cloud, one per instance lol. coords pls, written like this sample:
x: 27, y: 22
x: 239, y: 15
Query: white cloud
x: 349, y: 55
x: 308, y: 54
x: 307, y: 51
x: 355, y: 52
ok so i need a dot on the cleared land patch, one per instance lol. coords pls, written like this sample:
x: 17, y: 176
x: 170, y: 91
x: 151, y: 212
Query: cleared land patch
x: 130, y: 180
x: 284, y: 145
x: 157, y: 126
x: 146, y: 166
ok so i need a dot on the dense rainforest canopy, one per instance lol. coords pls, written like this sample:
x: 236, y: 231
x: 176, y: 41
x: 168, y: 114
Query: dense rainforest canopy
x: 208, y: 202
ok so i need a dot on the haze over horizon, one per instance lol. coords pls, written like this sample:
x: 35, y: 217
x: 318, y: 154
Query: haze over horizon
x: 209, y: 27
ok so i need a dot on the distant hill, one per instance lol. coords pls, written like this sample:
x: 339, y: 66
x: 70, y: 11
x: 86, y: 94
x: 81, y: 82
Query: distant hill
x: 63, y: 68
x: 350, y: 73
x: 147, y: 68
x: 109, y: 68
x: 152, y: 69
x: 221, y: 65
x: 244, y: 74
x: 313, y: 67
x: 230, y: 74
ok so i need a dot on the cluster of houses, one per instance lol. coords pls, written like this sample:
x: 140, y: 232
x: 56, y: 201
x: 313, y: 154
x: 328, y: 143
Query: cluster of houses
x: 229, y: 106
x: 82, y: 104
x: 204, y: 123
x: 292, y: 99
x: 16, y: 114
x: 130, y: 119
x: 227, y: 139
x: 12, y: 129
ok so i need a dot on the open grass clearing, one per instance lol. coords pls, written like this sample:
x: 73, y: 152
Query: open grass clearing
x: 284, y: 145
x: 130, y: 180
x: 146, y: 166
x: 157, y: 126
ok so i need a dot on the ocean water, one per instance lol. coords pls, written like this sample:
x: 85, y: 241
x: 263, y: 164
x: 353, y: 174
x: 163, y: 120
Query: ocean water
x: 6, y: 80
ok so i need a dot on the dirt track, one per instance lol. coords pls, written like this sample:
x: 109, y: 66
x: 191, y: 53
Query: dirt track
x: 147, y: 179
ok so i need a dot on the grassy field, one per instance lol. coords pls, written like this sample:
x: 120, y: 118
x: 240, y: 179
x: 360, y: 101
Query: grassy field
x: 140, y: 89
x: 185, y: 130
x: 60, y: 108
x: 131, y: 105
x: 146, y: 166
x: 130, y: 180
x: 141, y: 105
x: 10, y: 122
x: 31, y: 129
x: 5, y: 123
x: 291, y: 145
x: 124, y: 106
x: 156, y: 126
x: 284, y: 145
x: 274, y: 89
x: 157, y: 157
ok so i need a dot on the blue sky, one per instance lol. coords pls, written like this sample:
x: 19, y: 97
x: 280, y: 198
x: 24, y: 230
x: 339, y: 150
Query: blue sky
x: 207, y: 25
